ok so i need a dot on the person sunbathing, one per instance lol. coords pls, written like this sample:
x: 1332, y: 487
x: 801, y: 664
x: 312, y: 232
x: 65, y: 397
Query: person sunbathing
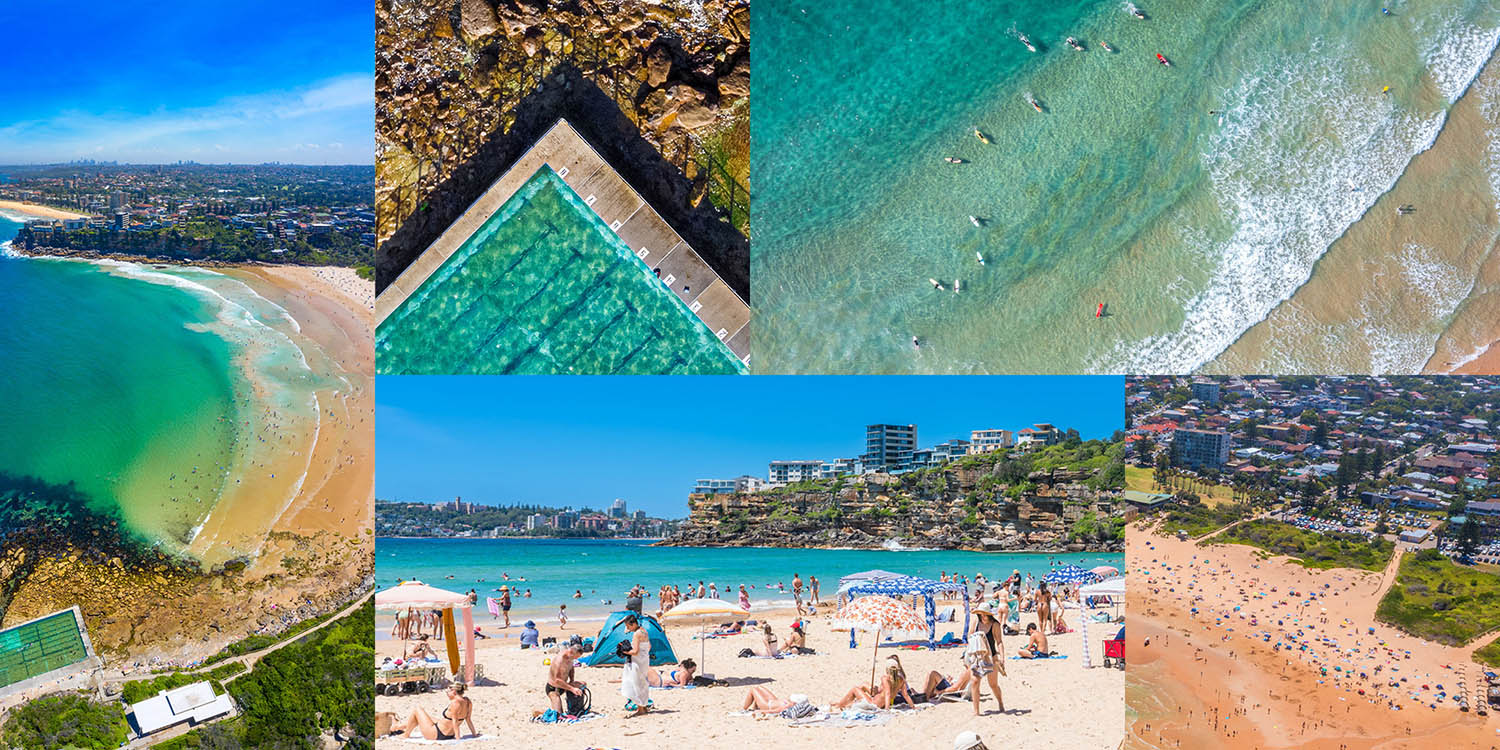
x: 1037, y: 646
x: 939, y: 685
x: 891, y: 690
x: 460, y: 711
x: 421, y: 650
x: 797, y: 642
x: 763, y: 701
x: 772, y: 650
x: 681, y: 677
x: 733, y: 629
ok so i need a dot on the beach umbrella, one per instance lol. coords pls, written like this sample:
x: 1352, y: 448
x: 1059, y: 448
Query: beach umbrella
x: 702, y: 612
x: 1105, y: 571
x: 1069, y: 574
x: 420, y: 595
x: 876, y: 613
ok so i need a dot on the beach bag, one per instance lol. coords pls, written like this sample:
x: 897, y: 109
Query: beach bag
x: 746, y: 653
x: 579, y: 705
x: 622, y: 650
x: 799, y: 711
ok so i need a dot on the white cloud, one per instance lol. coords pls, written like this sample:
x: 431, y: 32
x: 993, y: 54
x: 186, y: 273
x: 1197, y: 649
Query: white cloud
x: 334, y: 109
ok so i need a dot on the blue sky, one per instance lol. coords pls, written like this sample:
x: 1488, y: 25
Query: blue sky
x: 214, y: 82
x: 584, y: 441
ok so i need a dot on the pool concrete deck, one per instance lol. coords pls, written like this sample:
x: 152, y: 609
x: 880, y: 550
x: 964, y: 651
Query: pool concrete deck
x: 681, y: 269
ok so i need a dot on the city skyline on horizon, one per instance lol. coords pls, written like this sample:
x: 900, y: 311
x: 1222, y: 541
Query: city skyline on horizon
x: 449, y: 430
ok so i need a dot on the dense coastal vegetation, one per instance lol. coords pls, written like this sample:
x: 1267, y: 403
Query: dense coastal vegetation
x: 65, y: 721
x: 1435, y: 599
x: 298, y: 694
x: 1055, y: 497
x: 1311, y: 549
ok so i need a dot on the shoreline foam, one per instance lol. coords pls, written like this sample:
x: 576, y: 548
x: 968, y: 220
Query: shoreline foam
x: 1425, y: 300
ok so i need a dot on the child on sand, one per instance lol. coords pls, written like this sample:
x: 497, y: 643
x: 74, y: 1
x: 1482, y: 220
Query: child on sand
x: 562, y: 616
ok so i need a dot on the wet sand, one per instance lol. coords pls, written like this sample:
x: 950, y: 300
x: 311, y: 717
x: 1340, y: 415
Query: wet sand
x: 1404, y: 293
x: 1195, y: 682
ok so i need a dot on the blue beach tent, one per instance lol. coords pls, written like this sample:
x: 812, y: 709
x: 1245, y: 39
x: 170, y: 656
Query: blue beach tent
x: 614, y: 632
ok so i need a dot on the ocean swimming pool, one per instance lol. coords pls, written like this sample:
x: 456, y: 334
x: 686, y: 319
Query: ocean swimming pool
x: 35, y: 648
x: 545, y: 287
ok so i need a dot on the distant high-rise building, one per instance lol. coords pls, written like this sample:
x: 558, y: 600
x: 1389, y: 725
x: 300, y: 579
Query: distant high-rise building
x: 617, y: 508
x: 116, y: 200
x: 1206, y: 391
x: 1200, y: 449
x: 889, y: 447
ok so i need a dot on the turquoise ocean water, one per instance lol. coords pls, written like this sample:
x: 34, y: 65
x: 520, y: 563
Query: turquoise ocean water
x: 1189, y: 226
x: 545, y: 288
x: 605, y: 569
x: 151, y: 390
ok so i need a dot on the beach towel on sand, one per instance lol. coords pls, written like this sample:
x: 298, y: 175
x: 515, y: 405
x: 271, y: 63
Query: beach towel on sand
x: 822, y: 719
x: 425, y: 741
x: 1038, y: 658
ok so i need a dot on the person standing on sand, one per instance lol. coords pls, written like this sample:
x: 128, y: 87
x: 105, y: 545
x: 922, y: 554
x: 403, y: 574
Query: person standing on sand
x: 1043, y: 607
x: 812, y: 582
x: 797, y: 592
x: 634, y: 684
x: 984, y: 654
x: 505, y: 605
x: 562, y: 617
x: 744, y: 598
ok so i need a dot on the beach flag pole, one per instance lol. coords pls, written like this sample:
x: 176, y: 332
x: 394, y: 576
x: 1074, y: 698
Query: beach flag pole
x: 874, y: 655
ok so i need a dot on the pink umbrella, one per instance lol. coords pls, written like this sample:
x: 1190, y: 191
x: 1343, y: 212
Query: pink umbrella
x: 1105, y: 571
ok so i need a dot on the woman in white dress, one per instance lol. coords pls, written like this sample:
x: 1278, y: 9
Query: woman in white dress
x: 633, y: 683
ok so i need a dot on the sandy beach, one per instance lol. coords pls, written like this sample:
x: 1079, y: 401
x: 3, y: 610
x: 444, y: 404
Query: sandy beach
x: 1046, y: 702
x: 1411, y: 292
x: 40, y: 212
x: 306, y: 514
x: 1233, y: 649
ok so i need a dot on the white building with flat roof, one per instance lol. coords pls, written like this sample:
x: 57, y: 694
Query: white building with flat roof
x: 984, y: 441
x: 194, y: 703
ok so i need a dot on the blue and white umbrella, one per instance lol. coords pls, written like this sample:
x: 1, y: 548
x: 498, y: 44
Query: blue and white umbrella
x: 1070, y: 574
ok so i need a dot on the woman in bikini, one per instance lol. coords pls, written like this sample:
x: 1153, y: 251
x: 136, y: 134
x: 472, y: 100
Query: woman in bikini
x: 1043, y: 607
x: 892, y: 689
x: 460, y: 710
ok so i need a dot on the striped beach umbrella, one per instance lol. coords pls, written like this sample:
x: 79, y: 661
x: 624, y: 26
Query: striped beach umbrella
x: 878, y: 614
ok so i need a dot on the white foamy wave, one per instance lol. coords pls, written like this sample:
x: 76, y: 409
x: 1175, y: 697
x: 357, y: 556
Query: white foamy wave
x: 1291, y: 169
x: 1487, y: 94
x: 1430, y: 284
x: 1458, y: 54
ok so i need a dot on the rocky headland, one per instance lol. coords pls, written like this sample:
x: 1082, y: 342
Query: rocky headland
x: 145, y: 607
x: 658, y: 87
x: 973, y: 507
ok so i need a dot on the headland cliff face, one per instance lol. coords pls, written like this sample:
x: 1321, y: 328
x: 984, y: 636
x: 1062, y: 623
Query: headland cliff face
x: 950, y: 507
